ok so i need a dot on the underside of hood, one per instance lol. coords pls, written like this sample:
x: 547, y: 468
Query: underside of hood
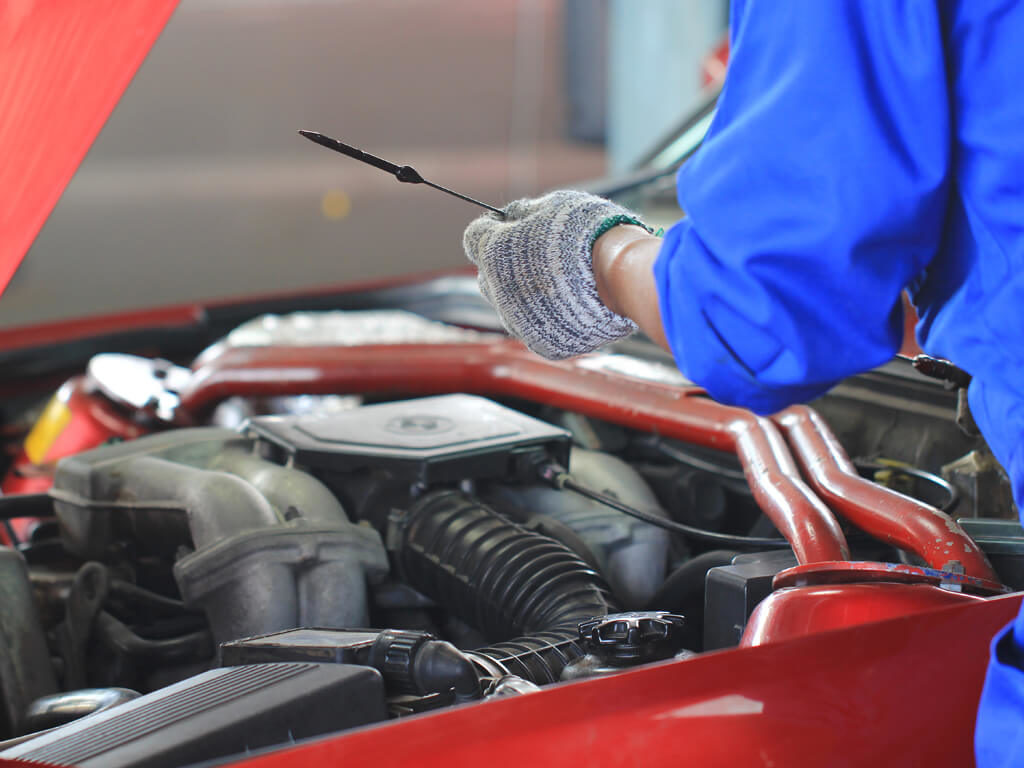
x: 65, y: 64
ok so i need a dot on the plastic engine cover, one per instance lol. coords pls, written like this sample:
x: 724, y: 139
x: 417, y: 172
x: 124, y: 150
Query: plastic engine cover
x: 426, y: 440
x: 218, y: 713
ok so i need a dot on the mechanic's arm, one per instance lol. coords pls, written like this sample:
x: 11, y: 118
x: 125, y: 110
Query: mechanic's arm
x: 623, y: 261
x: 819, y: 194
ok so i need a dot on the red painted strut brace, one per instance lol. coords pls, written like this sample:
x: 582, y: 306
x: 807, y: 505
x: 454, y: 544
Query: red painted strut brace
x: 892, y: 517
x: 505, y: 369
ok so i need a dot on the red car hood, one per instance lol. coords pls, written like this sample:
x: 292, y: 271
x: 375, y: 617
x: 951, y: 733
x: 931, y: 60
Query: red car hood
x: 65, y: 64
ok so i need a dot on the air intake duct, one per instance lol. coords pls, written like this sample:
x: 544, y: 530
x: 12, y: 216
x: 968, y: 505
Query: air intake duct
x: 527, y: 593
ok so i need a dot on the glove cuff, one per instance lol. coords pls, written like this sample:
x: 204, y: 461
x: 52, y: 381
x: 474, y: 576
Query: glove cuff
x: 614, y: 221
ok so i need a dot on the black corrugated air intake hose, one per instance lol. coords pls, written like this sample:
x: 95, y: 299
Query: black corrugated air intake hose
x: 524, y: 591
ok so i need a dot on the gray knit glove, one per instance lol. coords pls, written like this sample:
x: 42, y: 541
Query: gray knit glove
x: 535, y: 269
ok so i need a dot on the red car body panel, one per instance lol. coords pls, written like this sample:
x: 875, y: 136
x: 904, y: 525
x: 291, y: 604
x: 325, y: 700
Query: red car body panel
x: 65, y: 64
x: 898, y: 692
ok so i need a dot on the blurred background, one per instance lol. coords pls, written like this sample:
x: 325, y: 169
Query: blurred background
x: 199, y: 188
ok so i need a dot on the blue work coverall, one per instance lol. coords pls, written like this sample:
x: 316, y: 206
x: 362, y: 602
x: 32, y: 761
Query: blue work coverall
x: 861, y: 147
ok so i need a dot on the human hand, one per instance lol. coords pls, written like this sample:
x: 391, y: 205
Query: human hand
x: 535, y: 269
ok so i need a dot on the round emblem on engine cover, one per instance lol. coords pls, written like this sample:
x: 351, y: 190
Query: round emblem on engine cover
x: 419, y: 424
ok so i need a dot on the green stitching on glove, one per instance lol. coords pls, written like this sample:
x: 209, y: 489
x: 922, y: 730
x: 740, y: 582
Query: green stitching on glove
x: 614, y: 221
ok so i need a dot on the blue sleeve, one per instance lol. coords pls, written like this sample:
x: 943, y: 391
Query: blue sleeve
x: 818, y: 194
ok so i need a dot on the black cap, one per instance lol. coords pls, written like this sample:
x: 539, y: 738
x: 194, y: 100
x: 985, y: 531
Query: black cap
x: 633, y: 638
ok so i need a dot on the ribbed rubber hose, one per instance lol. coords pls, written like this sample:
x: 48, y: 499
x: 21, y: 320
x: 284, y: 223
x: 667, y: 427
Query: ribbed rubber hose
x: 504, y: 580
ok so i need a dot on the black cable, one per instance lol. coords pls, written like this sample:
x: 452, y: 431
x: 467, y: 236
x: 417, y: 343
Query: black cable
x: 689, y: 460
x: 11, y: 535
x: 129, y: 591
x: 951, y: 491
x: 121, y: 638
x: 700, y: 534
x: 17, y: 505
x: 683, y: 591
x: 557, y: 477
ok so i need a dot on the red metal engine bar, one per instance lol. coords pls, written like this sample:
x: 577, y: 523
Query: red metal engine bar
x: 506, y: 369
x: 886, y: 514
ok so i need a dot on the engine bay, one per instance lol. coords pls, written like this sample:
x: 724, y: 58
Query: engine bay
x: 331, y: 519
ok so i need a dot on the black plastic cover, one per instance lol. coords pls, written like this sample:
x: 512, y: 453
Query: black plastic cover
x: 731, y: 593
x: 328, y: 646
x: 1002, y: 541
x: 426, y: 440
x: 216, y: 714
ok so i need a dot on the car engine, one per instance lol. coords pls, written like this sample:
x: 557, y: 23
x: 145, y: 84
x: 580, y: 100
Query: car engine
x: 330, y: 519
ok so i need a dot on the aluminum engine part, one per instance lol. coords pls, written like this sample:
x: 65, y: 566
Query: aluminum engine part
x: 273, y: 548
x: 235, y: 411
x: 139, y: 383
x: 985, y: 490
x: 344, y: 329
x: 632, y: 554
x: 60, y: 708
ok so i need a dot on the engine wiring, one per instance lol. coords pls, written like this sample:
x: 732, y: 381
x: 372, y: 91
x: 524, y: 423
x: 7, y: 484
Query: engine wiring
x: 683, y: 457
x: 557, y: 477
x: 871, y: 468
x: 11, y: 534
x: 16, y: 506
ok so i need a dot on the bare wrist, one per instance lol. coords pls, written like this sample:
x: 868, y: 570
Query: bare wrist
x: 610, y: 262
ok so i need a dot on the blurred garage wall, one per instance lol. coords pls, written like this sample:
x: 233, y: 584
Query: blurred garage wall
x: 657, y: 50
x: 198, y: 187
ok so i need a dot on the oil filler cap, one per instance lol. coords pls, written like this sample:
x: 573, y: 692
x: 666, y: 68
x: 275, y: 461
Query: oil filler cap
x: 634, y: 637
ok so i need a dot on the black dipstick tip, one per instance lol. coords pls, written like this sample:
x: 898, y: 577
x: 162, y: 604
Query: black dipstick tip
x: 404, y: 173
x: 409, y: 174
